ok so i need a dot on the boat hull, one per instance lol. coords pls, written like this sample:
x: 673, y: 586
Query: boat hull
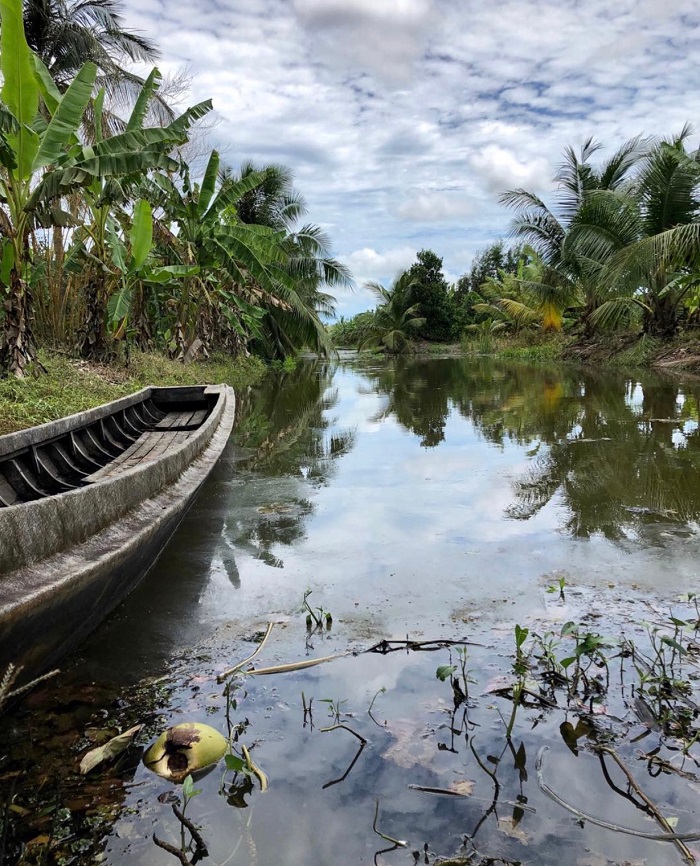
x: 50, y: 604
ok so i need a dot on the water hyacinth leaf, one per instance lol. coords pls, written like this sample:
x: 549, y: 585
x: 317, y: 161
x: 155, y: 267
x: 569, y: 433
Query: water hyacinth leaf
x: 110, y: 750
x: 233, y: 762
x: 568, y: 628
x: 669, y: 641
x: 444, y: 672
x: 188, y: 788
x: 185, y: 749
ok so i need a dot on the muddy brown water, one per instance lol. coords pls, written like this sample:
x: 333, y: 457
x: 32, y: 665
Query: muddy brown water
x: 428, y: 499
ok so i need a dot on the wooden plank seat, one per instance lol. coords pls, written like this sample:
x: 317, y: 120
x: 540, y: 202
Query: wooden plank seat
x: 190, y: 419
x: 148, y: 447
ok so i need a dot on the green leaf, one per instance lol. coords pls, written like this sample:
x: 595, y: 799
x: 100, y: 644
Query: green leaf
x: 141, y: 236
x: 20, y: 92
x: 67, y: 118
x: 568, y: 628
x: 97, y: 109
x: 520, y: 635
x: 208, y: 184
x: 47, y: 86
x: 567, y: 662
x: 444, y: 672
x: 169, y: 272
x: 150, y: 85
x: 233, y: 762
x: 188, y: 788
x: 669, y: 641
x: 65, y: 180
x: 116, y: 246
x: 138, y: 139
x: 119, y: 305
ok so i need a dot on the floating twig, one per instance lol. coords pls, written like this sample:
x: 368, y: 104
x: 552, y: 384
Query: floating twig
x: 397, y: 842
x: 345, y: 728
x: 447, y: 791
x: 389, y: 646
x: 227, y: 673
x: 607, y: 825
x: 295, y: 666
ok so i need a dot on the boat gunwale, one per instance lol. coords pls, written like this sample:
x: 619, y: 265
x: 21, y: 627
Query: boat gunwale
x: 49, y: 431
x: 33, y: 531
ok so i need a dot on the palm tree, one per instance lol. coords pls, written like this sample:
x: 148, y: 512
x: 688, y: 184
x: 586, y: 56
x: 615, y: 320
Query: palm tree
x: 548, y: 230
x: 65, y: 34
x: 647, y: 239
x: 308, y: 270
x: 395, y: 321
x: 534, y: 295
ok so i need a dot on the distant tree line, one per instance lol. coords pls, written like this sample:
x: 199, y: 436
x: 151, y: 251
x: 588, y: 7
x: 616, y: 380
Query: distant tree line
x: 616, y: 251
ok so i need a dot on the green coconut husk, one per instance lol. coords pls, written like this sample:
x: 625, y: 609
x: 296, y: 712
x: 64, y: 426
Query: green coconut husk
x: 185, y: 749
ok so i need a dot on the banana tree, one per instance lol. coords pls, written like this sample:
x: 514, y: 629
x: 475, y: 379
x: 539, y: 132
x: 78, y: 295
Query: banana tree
x: 135, y: 273
x: 238, y: 263
x: 44, y: 161
x: 106, y: 192
x: 29, y: 145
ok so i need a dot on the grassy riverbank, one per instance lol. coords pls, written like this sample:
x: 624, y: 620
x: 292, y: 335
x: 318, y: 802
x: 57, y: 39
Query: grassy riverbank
x: 70, y: 385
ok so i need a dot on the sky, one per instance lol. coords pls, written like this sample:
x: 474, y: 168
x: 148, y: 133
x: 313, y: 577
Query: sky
x: 403, y: 120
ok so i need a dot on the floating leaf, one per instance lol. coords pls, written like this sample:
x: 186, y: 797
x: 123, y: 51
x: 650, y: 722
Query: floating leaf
x: 110, y: 750
x: 463, y: 787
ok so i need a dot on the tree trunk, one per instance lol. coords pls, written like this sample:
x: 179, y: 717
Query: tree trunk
x: 91, y: 337
x: 17, y: 349
x: 662, y: 321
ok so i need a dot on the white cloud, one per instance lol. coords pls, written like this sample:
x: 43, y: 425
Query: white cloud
x: 500, y: 169
x: 402, y: 120
x: 384, y: 37
x: 434, y: 206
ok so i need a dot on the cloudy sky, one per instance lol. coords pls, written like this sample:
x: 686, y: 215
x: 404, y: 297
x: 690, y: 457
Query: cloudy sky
x: 402, y: 120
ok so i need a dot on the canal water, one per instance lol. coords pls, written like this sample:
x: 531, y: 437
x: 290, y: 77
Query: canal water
x: 417, y: 501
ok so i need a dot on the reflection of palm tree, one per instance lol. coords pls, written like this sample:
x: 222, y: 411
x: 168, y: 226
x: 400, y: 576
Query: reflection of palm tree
x: 621, y: 471
x: 614, y: 451
x: 284, y: 431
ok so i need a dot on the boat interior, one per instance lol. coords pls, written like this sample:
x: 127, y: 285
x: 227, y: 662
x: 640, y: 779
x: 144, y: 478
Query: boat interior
x: 109, y: 446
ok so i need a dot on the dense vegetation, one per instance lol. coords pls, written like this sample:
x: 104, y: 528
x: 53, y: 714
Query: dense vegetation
x: 617, y: 253
x: 108, y: 240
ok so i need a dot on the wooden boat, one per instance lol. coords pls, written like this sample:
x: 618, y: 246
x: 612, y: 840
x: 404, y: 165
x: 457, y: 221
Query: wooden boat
x: 86, y: 505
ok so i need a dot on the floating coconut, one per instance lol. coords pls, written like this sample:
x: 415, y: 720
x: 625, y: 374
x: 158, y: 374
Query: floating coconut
x: 184, y: 749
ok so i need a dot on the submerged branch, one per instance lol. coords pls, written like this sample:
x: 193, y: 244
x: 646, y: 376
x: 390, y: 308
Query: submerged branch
x: 607, y: 825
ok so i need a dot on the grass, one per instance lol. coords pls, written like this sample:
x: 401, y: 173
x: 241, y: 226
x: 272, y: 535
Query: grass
x: 70, y: 385
x: 524, y: 347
